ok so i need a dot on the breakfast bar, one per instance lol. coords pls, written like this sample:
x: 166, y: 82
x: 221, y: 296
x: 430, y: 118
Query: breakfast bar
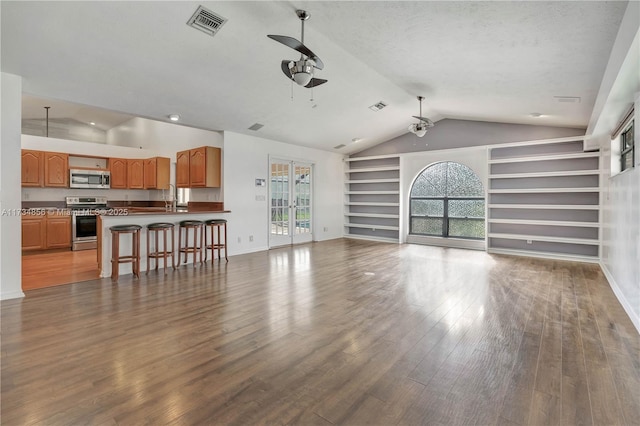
x: 142, y: 217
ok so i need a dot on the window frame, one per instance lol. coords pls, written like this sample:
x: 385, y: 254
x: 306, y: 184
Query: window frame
x: 627, y: 151
x: 446, y: 219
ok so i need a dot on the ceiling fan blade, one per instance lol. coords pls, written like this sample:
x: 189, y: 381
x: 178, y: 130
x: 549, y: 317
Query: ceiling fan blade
x: 425, y: 119
x: 285, y: 68
x: 315, y: 82
x: 297, y: 45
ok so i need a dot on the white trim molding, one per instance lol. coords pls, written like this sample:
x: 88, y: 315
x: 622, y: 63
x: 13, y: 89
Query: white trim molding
x: 635, y: 319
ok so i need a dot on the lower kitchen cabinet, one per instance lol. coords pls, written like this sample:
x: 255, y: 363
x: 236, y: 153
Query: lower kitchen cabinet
x: 46, y: 231
x: 34, y: 232
x: 58, y: 231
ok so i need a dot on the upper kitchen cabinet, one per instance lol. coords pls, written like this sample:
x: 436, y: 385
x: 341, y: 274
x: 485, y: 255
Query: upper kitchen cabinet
x: 118, y: 169
x: 135, y: 174
x: 204, y: 167
x: 56, y: 169
x: 32, y: 168
x: 156, y: 173
x: 182, y: 169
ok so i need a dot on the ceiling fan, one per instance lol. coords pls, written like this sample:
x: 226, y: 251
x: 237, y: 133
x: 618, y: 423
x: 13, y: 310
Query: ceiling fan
x: 420, y: 128
x: 300, y: 71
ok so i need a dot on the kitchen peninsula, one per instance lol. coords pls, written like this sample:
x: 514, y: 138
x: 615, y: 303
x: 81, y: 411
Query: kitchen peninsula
x: 144, y: 216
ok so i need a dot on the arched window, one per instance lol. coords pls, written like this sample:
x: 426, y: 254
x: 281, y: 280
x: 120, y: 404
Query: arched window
x: 447, y: 200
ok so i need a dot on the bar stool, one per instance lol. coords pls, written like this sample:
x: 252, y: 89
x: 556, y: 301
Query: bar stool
x: 156, y: 253
x: 198, y: 230
x: 211, y: 225
x: 133, y: 258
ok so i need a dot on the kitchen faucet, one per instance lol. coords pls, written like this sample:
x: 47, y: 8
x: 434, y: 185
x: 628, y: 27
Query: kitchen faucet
x: 170, y: 203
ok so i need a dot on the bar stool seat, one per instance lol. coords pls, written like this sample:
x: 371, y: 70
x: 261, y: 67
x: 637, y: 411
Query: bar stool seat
x: 197, y: 226
x: 117, y: 258
x: 155, y: 252
x: 216, y: 245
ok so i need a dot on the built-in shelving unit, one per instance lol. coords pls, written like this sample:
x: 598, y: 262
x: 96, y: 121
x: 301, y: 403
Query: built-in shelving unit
x: 372, y: 198
x: 544, y: 200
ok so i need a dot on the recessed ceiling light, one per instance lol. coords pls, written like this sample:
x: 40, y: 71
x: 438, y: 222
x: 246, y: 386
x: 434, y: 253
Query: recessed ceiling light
x: 174, y: 117
x: 535, y: 114
x: 356, y: 140
x: 378, y: 106
x: 92, y: 123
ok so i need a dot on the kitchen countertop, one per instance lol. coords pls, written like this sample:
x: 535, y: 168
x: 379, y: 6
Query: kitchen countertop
x: 147, y: 211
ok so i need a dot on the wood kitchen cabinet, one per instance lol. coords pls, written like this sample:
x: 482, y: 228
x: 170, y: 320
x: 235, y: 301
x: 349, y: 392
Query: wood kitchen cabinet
x: 32, y: 168
x: 182, y: 169
x: 34, y: 232
x: 156, y: 173
x: 56, y: 169
x: 135, y: 173
x: 50, y: 230
x: 199, y: 168
x: 58, y: 230
x: 118, y: 168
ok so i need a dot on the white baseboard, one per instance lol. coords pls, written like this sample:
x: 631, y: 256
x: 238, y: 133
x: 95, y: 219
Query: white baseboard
x: 544, y: 255
x: 11, y: 295
x: 635, y: 317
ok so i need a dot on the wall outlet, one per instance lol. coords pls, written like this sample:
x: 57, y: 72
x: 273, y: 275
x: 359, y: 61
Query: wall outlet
x: 250, y: 238
x: 239, y: 240
x: 529, y: 242
x: 326, y: 229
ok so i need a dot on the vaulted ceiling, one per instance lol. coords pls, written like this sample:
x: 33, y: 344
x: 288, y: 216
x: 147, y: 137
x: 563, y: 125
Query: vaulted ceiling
x: 487, y: 61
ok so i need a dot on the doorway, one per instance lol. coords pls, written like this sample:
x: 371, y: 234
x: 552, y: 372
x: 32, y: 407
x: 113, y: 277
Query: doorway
x: 290, y: 191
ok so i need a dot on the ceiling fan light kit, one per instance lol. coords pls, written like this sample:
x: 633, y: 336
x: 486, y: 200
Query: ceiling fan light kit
x: 420, y: 128
x: 300, y: 71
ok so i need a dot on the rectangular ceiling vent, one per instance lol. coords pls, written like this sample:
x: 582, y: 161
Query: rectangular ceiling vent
x: 378, y: 106
x: 206, y: 21
x: 339, y: 146
x: 256, y: 126
x: 568, y: 99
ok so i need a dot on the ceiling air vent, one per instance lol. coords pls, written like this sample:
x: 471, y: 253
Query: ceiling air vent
x: 339, y: 146
x: 206, y: 21
x: 256, y: 126
x: 567, y: 99
x: 378, y: 106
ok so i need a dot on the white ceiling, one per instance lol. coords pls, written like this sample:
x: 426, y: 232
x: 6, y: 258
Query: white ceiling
x: 488, y: 61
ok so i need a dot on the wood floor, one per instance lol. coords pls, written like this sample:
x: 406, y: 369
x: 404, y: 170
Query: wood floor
x: 338, y: 332
x: 48, y: 269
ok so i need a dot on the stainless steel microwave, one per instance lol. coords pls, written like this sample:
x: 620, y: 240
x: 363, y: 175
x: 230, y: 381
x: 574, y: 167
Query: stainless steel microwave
x: 96, y: 179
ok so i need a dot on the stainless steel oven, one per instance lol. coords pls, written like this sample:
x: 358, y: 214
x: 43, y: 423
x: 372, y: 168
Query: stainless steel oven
x: 84, y: 221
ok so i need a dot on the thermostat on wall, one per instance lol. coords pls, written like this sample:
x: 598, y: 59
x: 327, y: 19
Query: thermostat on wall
x: 261, y: 182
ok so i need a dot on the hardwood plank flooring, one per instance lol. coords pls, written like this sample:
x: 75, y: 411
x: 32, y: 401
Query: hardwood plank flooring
x: 337, y: 332
x: 48, y: 269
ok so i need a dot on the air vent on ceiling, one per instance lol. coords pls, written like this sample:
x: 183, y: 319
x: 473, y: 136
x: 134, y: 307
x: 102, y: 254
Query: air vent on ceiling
x: 568, y: 99
x: 256, y: 126
x: 206, y: 21
x: 378, y: 106
x: 339, y: 146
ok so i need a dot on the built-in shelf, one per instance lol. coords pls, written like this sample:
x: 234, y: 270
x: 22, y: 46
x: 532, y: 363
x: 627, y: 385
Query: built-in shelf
x: 545, y: 174
x: 373, y: 181
x: 379, y: 215
x: 542, y: 190
x: 546, y: 222
x: 372, y: 204
x: 546, y: 206
x: 369, y: 226
x: 545, y: 157
x: 533, y: 186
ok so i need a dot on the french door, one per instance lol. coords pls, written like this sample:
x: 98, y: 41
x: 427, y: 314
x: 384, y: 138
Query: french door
x: 290, y: 191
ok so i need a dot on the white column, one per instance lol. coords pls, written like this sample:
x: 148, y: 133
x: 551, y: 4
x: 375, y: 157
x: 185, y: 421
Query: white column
x: 10, y: 187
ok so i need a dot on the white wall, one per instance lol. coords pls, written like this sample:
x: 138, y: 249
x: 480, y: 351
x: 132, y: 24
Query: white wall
x: 620, y: 197
x: 621, y: 229
x: 10, y: 228
x: 247, y: 158
x: 412, y: 164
